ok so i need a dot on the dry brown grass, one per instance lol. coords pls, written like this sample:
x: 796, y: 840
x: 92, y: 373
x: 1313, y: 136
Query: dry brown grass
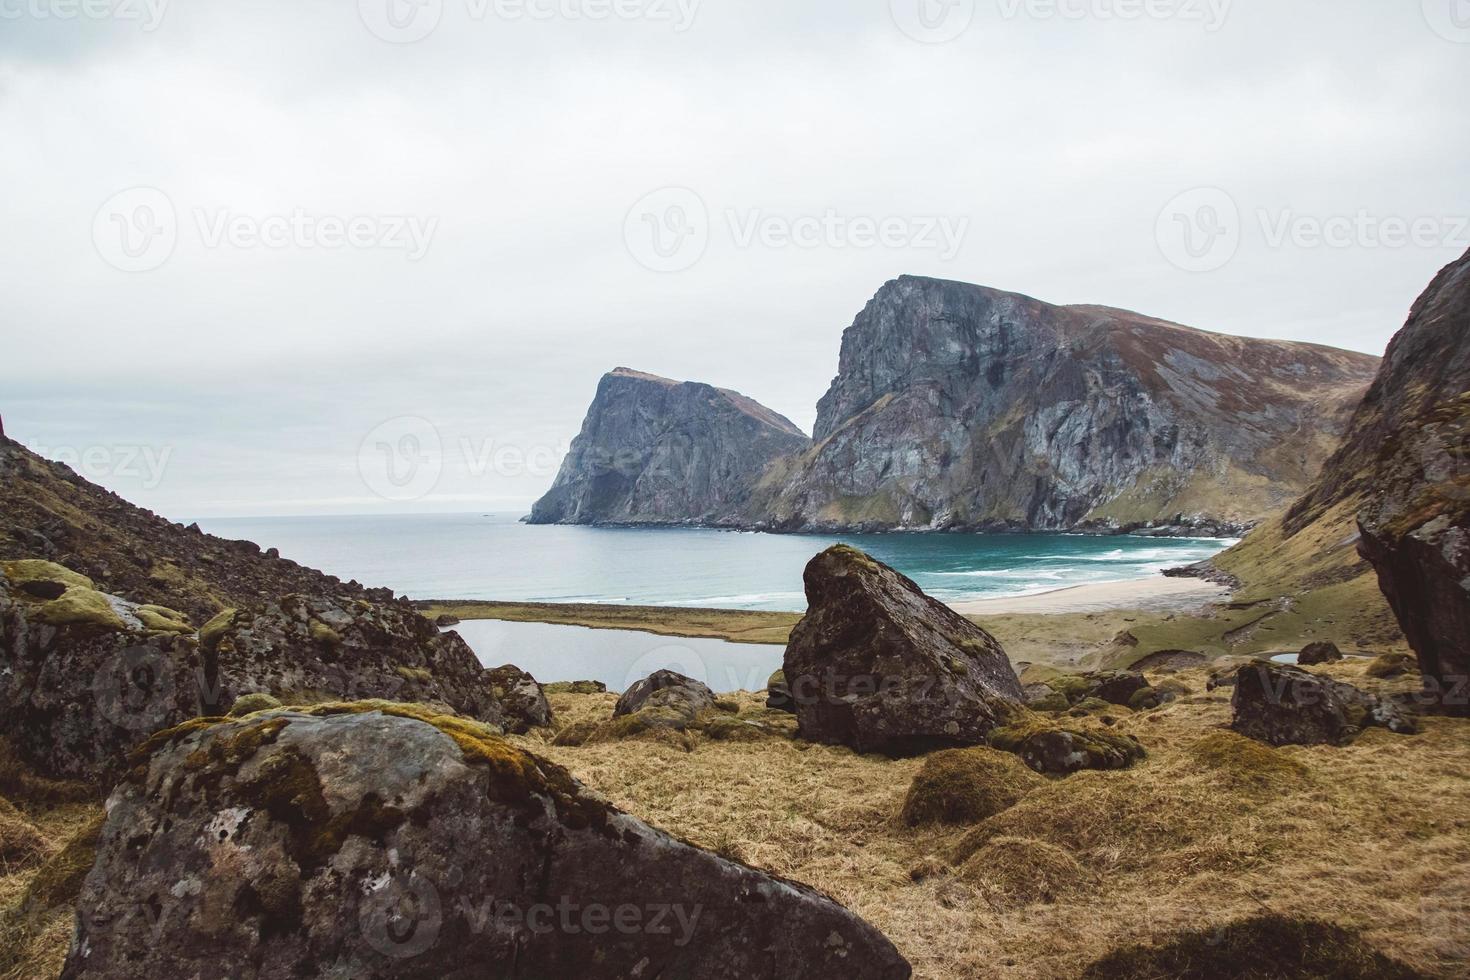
x: 1210, y: 829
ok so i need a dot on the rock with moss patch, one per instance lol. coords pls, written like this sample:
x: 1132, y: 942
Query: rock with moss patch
x: 879, y: 666
x: 311, y: 648
x: 522, y: 701
x: 960, y: 786
x: 1322, y: 652
x: 1284, y: 705
x: 575, y: 687
x: 1059, y: 751
x: 380, y: 841
x: 1117, y: 686
x: 83, y: 679
x: 669, y: 696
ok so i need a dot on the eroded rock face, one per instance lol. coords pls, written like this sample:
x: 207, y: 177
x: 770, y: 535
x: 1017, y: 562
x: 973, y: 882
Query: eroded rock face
x: 316, y: 648
x: 879, y: 666
x: 1284, y: 705
x: 369, y: 844
x: 655, y: 451
x: 1405, y: 465
x: 957, y: 405
x: 522, y: 701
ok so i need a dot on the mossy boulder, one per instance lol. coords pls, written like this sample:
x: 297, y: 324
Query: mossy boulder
x: 373, y: 839
x: 81, y: 606
x: 43, y: 579
x: 961, y: 786
x: 575, y: 687
x: 1267, y: 947
x: 665, y: 697
x: 1055, y: 750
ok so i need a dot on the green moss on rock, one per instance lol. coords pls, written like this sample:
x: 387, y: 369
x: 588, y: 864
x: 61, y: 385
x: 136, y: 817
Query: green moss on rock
x: 162, y: 619
x: 80, y: 606
x: 249, y: 704
x: 27, y: 571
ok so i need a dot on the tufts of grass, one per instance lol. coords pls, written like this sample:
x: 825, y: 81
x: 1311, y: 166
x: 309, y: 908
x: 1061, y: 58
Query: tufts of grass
x: 965, y: 786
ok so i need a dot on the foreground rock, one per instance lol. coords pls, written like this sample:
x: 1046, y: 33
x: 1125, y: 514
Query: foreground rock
x: 879, y: 666
x: 1284, y: 705
x: 366, y: 843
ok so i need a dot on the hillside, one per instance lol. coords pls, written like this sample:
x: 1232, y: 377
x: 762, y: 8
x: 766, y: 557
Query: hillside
x: 48, y: 511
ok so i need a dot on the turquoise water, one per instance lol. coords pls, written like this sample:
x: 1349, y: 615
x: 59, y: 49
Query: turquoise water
x: 474, y: 556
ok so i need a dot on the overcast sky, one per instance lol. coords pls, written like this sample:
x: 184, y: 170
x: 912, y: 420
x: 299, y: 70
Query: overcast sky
x: 252, y: 257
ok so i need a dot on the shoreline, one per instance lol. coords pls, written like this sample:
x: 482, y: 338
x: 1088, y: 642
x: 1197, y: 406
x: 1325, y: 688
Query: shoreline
x: 1150, y: 595
x: 1157, y: 594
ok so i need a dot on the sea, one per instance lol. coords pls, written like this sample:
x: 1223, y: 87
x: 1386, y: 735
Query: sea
x: 494, y: 556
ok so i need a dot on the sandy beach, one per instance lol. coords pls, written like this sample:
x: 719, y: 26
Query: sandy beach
x: 1158, y: 594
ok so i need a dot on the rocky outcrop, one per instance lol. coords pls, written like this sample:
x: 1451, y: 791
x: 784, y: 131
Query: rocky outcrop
x: 1283, y: 705
x: 304, y: 648
x: 374, y: 840
x: 958, y: 406
x: 1061, y: 751
x: 1407, y: 457
x: 879, y: 666
x: 655, y: 451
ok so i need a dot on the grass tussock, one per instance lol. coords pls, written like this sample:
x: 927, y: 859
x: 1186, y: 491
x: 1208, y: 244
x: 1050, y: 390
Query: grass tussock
x: 964, y: 786
x: 1265, y: 947
x: 1017, y: 871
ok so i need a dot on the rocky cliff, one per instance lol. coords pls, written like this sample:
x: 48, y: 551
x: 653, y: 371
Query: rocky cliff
x: 961, y: 407
x: 655, y: 451
x: 1405, y: 464
x: 958, y: 406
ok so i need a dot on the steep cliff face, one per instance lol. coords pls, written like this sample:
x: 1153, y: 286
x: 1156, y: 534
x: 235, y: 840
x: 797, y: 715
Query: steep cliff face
x: 655, y: 451
x: 1406, y: 459
x: 958, y: 406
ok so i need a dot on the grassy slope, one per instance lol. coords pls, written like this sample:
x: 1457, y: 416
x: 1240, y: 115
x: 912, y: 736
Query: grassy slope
x: 1363, y: 836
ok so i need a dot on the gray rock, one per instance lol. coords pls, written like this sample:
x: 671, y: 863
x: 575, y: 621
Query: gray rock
x: 376, y: 845
x: 522, y: 701
x: 1284, y: 705
x: 655, y: 451
x: 877, y: 665
x: 1314, y: 654
x: 666, y: 693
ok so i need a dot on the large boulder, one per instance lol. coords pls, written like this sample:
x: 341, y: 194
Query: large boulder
x: 378, y: 840
x: 313, y: 648
x: 879, y: 666
x: 522, y: 701
x: 1284, y: 705
x: 85, y: 676
x: 1322, y: 652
